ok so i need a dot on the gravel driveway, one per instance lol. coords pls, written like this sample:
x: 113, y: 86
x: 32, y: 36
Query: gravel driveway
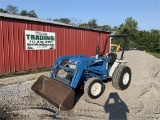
x: 141, y: 101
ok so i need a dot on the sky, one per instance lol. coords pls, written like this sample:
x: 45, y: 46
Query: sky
x: 106, y: 12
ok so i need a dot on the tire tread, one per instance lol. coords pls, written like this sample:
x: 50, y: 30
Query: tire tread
x: 116, y: 77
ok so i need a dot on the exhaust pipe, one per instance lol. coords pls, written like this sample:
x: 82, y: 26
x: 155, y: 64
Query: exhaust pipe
x: 97, y: 48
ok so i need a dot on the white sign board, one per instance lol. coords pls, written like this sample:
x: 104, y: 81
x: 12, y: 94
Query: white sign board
x: 39, y: 40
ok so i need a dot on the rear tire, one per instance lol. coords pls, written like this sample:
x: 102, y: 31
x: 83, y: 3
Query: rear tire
x: 94, y: 88
x: 121, y: 77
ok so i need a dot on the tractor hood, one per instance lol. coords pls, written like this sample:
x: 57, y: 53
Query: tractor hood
x: 82, y: 59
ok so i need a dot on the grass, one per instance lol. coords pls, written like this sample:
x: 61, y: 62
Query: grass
x: 157, y: 55
x: 27, y: 72
x: 1, y: 85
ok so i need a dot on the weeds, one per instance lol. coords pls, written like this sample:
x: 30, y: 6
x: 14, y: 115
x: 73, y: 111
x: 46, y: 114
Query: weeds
x: 26, y: 72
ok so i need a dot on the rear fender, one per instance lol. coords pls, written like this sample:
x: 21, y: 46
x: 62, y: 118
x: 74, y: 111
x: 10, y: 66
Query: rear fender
x: 115, y: 65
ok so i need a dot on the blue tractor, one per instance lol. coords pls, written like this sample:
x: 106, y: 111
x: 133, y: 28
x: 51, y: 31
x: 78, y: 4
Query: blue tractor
x: 70, y: 73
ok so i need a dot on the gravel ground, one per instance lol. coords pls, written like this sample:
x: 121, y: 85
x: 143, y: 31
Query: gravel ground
x: 139, y: 102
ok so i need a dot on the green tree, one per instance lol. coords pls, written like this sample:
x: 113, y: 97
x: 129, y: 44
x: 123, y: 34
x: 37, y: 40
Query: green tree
x: 149, y: 39
x: 12, y: 9
x: 105, y: 28
x: 92, y: 24
x: 155, y: 40
x: 63, y: 20
x: 32, y: 14
x: 24, y: 13
x: 130, y: 29
x: 3, y: 11
x: 84, y: 25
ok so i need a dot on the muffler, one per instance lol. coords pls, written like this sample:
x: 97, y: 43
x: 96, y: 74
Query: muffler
x: 55, y: 92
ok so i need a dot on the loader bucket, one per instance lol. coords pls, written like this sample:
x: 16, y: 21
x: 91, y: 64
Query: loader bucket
x: 55, y: 92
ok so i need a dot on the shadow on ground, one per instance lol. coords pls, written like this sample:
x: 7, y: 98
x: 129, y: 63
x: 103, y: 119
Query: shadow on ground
x: 116, y: 108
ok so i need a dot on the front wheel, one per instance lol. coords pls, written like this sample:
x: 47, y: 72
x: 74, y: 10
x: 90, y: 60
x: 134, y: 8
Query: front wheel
x: 121, y: 77
x: 94, y: 88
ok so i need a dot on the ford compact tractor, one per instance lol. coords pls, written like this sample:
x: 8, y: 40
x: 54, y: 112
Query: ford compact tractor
x: 70, y: 73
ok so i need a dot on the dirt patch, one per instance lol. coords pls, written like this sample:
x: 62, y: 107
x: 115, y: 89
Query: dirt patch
x: 22, y: 73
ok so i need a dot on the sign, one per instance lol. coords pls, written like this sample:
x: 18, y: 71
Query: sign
x: 38, y: 40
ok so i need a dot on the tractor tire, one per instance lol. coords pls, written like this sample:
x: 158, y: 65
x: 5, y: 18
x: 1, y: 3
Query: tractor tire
x: 94, y: 88
x: 121, y: 77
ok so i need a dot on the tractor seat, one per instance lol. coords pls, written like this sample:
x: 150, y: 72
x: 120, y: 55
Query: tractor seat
x: 112, y: 57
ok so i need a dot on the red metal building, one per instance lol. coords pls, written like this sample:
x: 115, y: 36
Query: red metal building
x: 70, y: 40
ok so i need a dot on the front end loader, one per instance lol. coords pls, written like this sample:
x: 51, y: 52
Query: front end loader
x: 70, y: 73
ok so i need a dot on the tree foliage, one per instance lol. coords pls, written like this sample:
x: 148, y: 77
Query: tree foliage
x: 3, y: 11
x: 92, y: 24
x: 149, y: 39
x: 63, y: 20
x: 32, y: 14
x: 130, y: 29
x: 105, y: 28
x: 14, y: 10
x: 24, y: 13
x: 84, y: 25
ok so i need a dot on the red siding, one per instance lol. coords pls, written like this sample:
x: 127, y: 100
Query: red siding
x: 69, y: 41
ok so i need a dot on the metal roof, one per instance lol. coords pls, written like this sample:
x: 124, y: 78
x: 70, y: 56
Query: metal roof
x: 31, y: 19
x: 5, y: 15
